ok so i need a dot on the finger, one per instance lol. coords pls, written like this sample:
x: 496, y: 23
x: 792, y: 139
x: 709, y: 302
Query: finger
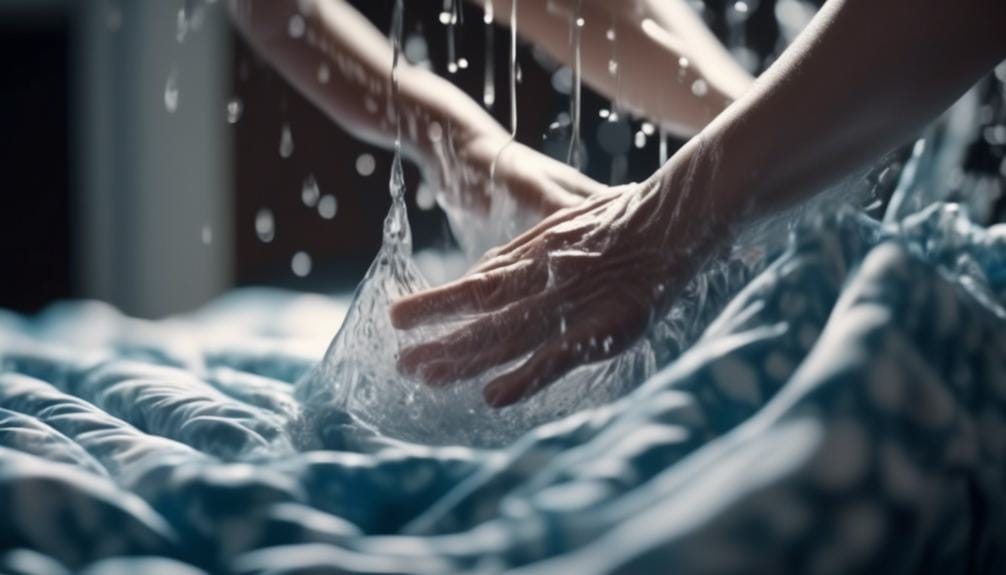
x: 519, y: 247
x: 541, y: 370
x: 476, y: 293
x: 481, y: 345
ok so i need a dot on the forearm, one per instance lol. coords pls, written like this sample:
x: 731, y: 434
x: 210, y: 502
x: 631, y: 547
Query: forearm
x: 343, y: 65
x: 864, y: 77
x: 649, y: 45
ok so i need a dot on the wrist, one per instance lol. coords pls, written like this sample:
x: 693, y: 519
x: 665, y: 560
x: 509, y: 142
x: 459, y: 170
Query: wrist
x: 695, y: 200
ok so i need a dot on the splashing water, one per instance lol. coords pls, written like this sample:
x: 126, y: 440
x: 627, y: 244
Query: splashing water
x: 357, y: 393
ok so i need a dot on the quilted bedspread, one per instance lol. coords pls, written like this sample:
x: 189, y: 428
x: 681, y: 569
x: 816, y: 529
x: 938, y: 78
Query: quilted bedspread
x: 846, y: 413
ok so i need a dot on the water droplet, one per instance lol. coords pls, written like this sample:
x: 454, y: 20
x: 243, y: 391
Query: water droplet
x: 207, y: 235
x: 328, y: 206
x: 265, y: 225
x: 648, y: 129
x: 426, y: 198
x: 286, y: 142
x: 640, y: 140
x: 452, y: 68
x: 610, y: 35
x: 463, y: 63
x: 323, y: 73
x: 684, y: 63
x: 365, y: 165
x: 171, y: 94
x: 182, y: 29
x: 301, y: 264
x: 445, y: 17
x: 416, y: 49
x: 613, y: 67
x: 580, y: 22
x: 604, y: 113
x: 234, y: 110
x: 296, y: 27
x: 996, y: 135
x: 310, y: 192
x: 700, y: 88
x: 741, y: 7
x: 371, y: 105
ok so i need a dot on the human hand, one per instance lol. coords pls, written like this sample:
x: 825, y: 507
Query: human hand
x: 535, y: 183
x: 580, y: 287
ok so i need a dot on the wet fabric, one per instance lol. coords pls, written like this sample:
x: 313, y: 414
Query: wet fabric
x: 846, y: 413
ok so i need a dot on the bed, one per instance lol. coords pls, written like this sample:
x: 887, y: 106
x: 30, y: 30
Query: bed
x: 845, y: 413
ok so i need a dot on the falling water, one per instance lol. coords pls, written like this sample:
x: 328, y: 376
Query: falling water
x: 286, y: 142
x: 514, y: 73
x: 489, y: 92
x: 451, y: 16
x: 573, y: 158
x: 171, y: 94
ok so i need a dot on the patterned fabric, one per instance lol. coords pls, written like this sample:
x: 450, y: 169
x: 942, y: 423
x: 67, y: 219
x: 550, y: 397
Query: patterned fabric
x: 846, y: 413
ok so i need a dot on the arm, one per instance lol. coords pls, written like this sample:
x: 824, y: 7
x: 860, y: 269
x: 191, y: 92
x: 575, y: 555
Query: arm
x: 651, y: 38
x: 863, y: 77
x: 444, y: 131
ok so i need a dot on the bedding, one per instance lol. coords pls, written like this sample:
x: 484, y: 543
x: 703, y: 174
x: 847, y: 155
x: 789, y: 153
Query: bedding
x: 845, y: 413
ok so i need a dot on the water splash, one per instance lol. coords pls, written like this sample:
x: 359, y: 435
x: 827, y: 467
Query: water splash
x: 356, y: 396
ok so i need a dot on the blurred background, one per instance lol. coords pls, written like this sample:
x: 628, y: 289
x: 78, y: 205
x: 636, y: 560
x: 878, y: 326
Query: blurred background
x: 153, y: 161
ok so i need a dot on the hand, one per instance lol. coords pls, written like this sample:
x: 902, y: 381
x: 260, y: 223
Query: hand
x: 536, y: 183
x: 581, y: 286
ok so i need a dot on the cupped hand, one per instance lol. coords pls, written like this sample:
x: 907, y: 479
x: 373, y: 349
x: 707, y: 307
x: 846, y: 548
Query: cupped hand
x: 581, y: 286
